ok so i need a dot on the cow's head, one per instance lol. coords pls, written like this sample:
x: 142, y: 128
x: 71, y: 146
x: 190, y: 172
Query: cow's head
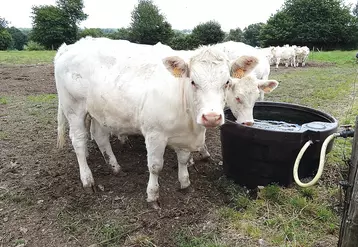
x: 245, y: 89
x: 206, y: 74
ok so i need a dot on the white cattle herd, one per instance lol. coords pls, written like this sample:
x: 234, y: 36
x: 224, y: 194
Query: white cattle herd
x: 288, y: 55
x: 114, y: 87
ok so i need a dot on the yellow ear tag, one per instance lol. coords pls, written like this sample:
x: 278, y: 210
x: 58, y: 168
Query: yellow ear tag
x: 239, y: 73
x: 177, y: 72
x: 267, y: 89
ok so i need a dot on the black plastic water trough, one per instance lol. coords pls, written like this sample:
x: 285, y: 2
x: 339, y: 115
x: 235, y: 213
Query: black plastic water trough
x: 254, y: 156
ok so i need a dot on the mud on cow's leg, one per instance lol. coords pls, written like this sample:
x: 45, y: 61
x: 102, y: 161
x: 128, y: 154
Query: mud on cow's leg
x: 155, y: 144
x: 183, y: 174
x: 101, y: 136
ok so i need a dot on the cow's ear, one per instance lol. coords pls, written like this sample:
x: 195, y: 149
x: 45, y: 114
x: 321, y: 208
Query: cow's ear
x: 267, y: 86
x: 243, y: 66
x: 176, y: 66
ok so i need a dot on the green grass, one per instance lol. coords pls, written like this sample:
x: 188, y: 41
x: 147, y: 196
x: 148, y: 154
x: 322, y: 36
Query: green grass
x: 337, y: 57
x: 26, y: 57
x: 184, y: 238
x: 3, y: 101
x: 42, y: 98
x: 282, y: 217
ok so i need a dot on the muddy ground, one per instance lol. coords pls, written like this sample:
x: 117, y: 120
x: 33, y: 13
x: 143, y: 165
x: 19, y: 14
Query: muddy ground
x: 42, y: 202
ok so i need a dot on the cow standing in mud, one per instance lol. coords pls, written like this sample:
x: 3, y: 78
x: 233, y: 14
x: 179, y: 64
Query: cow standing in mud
x: 167, y: 100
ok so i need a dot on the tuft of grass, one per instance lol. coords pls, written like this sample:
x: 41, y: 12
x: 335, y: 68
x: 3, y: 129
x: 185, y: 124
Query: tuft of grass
x: 185, y: 238
x: 272, y: 193
x: 3, y: 135
x: 42, y: 98
x: 19, y: 242
x: 308, y: 193
x: 18, y: 198
x: 110, y: 233
x: 3, y: 101
x: 26, y: 57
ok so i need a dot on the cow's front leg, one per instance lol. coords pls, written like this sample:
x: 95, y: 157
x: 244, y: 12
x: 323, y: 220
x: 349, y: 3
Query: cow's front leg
x: 183, y: 174
x: 155, y: 145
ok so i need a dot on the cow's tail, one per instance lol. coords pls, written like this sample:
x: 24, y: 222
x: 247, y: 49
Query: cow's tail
x: 61, y: 128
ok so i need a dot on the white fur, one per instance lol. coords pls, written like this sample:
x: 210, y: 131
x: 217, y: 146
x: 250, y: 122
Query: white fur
x: 237, y: 49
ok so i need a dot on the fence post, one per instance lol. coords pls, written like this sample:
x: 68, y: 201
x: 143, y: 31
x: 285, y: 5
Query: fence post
x: 348, y: 235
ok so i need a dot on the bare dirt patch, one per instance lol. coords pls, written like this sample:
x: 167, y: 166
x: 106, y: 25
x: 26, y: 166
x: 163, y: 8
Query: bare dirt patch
x: 42, y: 202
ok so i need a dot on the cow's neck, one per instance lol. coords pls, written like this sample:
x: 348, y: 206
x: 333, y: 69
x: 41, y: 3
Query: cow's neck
x: 186, y: 94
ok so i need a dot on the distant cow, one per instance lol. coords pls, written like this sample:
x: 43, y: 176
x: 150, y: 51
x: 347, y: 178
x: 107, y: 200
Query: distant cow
x: 301, y: 55
x: 168, y: 101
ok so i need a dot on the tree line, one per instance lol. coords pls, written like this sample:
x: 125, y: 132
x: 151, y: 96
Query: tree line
x: 327, y: 24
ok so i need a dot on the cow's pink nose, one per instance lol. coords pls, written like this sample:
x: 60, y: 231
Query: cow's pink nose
x: 211, y: 119
x: 248, y: 123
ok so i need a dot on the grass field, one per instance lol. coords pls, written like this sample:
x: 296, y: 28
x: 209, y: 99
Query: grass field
x: 26, y: 57
x: 292, y: 217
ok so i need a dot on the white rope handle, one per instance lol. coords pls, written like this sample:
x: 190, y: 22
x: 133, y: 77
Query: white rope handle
x: 321, y: 161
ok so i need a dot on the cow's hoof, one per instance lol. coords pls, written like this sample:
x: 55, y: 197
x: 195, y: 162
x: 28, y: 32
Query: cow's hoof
x: 90, y: 189
x: 186, y: 190
x: 116, y: 169
x: 154, y: 205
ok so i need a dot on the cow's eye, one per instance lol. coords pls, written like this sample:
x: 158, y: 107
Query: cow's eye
x: 227, y: 82
x: 193, y: 83
x: 238, y: 100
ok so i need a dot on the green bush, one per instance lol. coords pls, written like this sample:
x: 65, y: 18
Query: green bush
x: 33, y: 46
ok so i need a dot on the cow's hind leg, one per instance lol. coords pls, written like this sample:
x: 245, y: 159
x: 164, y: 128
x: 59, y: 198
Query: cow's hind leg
x: 78, y: 134
x: 101, y: 136
x: 155, y: 145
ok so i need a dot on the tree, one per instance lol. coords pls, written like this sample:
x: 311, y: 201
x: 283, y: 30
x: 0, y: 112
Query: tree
x: 5, y: 39
x: 3, y: 23
x: 53, y: 25
x: 94, y: 32
x: 323, y: 23
x: 208, y: 33
x: 252, y: 34
x: 50, y: 27
x: 148, y: 25
x: 182, y: 41
x: 235, y: 35
x: 355, y: 10
x: 122, y: 33
x: 19, y: 38
x: 278, y: 30
x: 5, y: 36
x: 73, y: 10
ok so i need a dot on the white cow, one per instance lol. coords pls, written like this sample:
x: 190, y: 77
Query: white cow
x: 136, y: 93
x: 236, y: 49
x: 245, y: 89
x: 284, y: 54
x: 302, y: 55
